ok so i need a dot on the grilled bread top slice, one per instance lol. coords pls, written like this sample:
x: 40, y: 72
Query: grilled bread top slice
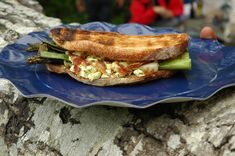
x: 121, y: 47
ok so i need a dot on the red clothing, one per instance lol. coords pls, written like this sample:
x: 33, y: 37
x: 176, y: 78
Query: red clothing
x: 142, y: 10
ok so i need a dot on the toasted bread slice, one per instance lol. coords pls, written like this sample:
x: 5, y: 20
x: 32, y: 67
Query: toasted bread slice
x: 132, y: 79
x: 121, y: 47
x: 113, y: 81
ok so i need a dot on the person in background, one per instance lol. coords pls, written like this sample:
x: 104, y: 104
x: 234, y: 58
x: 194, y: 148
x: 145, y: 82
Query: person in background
x: 221, y: 14
x: 208, y: 33
x: 149, y: 12
x: 98, y: 10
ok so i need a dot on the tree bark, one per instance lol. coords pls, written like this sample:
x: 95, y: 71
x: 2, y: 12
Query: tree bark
x: 45, y: 126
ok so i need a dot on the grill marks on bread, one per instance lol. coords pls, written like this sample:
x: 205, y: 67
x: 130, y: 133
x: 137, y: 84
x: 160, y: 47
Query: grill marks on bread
x: 121, y: 47
x: 62, y: 35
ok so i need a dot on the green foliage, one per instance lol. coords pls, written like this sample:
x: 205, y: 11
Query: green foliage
x: 67, y: 12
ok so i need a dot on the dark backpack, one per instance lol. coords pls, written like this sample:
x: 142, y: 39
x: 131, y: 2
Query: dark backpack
x: 157, y: 3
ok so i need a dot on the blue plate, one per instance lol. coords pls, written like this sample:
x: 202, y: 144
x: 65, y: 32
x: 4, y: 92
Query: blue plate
x: 213, y: 67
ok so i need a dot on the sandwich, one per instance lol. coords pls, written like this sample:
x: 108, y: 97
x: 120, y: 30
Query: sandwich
x: 110, y: 58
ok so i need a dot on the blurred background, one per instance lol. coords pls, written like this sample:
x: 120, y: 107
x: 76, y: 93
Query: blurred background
x: 184, y: 15
x: 69, y: 12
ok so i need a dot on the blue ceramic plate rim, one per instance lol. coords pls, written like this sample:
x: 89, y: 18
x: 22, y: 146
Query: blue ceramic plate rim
x: 210, y: 89
x: 123, y: 104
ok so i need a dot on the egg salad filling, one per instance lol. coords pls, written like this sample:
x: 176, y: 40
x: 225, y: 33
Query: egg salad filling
x: 93, y: 68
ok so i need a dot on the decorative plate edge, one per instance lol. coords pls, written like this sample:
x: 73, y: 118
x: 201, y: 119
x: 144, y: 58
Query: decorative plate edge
x: 123, y: 104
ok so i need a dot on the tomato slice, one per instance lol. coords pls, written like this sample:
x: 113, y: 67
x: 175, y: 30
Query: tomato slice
x: 135, y: 65
x: 124, y: 70
x: 76, y: 69
x: 101, y: 66
x: 76, y: 60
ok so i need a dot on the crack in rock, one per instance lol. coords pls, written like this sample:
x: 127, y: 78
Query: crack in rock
x: 19, y: 117
x: 42, y: 148
x: 65, y: 116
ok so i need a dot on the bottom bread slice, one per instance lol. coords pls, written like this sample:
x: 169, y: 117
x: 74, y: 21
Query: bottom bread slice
x: 128, y: 80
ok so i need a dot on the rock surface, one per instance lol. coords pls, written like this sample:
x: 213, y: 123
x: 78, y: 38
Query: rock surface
x: 44, y: 126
